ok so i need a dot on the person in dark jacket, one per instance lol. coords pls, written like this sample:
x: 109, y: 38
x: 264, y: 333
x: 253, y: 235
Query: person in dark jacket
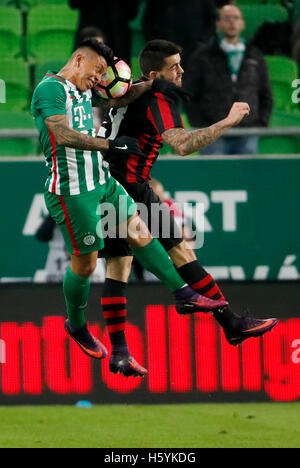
x: 185, y: 23
x: 112, y: 18
x: 225, y: 71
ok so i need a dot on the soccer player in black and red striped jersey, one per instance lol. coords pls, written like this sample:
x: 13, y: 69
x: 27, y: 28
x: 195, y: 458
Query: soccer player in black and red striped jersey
x: 152, y: 120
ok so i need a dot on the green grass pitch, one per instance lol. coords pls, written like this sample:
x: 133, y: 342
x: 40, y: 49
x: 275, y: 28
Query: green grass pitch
x: 262, y: 425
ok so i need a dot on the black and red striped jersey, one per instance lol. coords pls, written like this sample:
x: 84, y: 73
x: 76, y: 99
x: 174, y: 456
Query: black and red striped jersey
x: 146, y: 119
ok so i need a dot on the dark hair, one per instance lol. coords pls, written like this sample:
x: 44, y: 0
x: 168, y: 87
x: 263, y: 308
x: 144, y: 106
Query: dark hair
x: 101, y: 49
x: 89, y: 32
x: 153, y: 55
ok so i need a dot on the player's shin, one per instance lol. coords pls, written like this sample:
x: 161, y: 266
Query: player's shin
x: 114, y: 306
x: 76, y: 292
x: 155, y: 259
x: 203, y: 283
x: 200, y: 280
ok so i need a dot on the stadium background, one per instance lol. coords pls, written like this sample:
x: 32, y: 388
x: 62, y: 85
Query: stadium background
x: 251, y: 241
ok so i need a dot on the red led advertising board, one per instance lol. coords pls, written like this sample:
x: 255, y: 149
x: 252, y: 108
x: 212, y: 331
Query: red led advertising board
x: 188, y: 358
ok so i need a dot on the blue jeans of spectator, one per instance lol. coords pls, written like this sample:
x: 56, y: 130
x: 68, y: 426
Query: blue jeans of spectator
x: 232, y: 145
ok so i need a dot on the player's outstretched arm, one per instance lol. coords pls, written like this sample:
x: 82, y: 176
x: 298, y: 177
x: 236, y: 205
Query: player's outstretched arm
x: 185, y: 143
x: 65, y: 136
x: 157, y: 85
x: 135, y: 92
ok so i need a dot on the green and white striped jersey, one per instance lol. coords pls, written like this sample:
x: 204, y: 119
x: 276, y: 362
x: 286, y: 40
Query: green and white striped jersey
x: 71, y: 171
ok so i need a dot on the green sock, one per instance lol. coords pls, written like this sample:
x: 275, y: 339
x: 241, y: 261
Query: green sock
x: 76, y: 291
x: 155, y: 259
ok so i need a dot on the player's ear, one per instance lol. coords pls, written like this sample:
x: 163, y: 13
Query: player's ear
x: 79, y: 59
x: 153, y: 75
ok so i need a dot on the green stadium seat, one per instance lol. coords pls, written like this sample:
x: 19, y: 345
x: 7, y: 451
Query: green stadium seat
x: 28, y: 4
x: 296, y: 11
x: 279, y: 145
x: 258, y: 2
x: 255, y: 15
x: 17, y: 146
x: 282, y: 144
x: 16, y: 76
x: 35, y: 3
x: 283, y: 71
x: 10, y: 32
x: 51, y: 32
x: 53, y: 2
x: 284, y: 119
x: 282, y: 68
x: 42, y: 68
x: 13, y: 3
x: 135, y: 68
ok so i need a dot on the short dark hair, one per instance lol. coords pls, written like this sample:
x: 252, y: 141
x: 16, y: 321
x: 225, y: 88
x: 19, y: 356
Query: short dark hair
x: 89, y: 32
x: 101, y: 49
x: 153, y: 55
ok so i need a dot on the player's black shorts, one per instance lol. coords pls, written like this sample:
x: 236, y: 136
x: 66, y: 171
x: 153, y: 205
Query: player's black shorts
x: 155, y: 214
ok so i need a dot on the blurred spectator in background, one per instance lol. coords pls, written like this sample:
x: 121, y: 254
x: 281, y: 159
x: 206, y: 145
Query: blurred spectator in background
x: 225, y: 71
x: 183, y: 22
x: 112, y: 18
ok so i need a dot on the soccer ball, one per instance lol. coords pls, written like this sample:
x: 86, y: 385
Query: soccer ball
x: 116, y: 82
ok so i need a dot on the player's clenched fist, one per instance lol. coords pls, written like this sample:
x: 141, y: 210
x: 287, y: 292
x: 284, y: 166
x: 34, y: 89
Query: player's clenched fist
x: 238, y: 111
x: 125, y: 145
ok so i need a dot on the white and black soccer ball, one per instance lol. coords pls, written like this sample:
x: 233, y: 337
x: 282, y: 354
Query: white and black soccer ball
x: 116, y: 82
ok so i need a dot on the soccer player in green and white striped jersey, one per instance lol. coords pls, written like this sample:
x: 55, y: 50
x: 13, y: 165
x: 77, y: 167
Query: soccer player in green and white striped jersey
x: 79, y: 182
x: 79, y: 167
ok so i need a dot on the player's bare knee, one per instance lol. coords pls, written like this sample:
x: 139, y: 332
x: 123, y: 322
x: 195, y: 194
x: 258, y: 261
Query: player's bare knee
x: 90, y: 268
x: 87, y: 269
x: 138, y: 233
x: 84, y: 266
x: 181, y: 254
x: 118, y: 268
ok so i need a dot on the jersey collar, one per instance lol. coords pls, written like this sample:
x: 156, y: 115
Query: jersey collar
x: 80, y: 95
x: 51, y: 74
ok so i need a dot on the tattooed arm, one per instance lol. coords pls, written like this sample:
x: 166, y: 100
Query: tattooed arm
x: 185, y: 143
x: 58, y: 125
x: 65, y: 136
